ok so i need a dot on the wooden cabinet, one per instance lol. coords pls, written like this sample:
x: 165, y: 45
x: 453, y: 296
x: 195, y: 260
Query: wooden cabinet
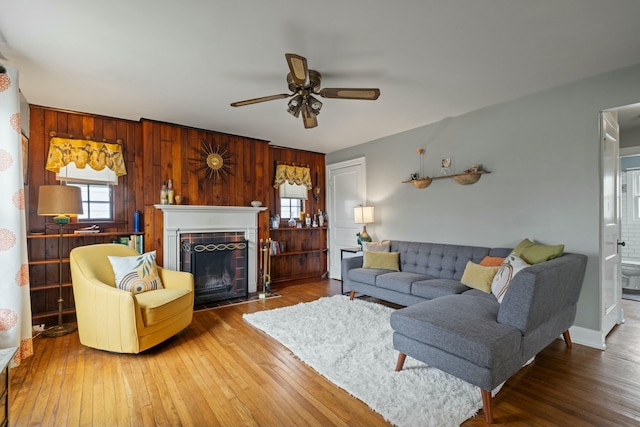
x: 304, y: 253
x: 44, y: 270
x: 6, y: 355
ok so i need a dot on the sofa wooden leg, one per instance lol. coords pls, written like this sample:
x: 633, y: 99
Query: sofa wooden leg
x: 352, y: 294
x: 567, y: 338
x: 487, y: 400
x: 400, y: 363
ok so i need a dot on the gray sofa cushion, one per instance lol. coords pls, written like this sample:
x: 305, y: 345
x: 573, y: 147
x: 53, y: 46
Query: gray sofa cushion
x: 436, y: 288
x: 463, y: 325
x: 366, y: 275
x: 399, y: 281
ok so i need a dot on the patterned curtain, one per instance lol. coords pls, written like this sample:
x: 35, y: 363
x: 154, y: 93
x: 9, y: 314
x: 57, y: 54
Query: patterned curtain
x: 15, y: 303
x: 293, y: 175
x: 82, y: 152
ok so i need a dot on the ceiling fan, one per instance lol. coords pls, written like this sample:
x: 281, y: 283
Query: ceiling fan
x: 303, y: 84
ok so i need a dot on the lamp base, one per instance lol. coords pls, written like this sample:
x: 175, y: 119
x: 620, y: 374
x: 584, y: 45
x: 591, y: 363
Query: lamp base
x: 58, y: 331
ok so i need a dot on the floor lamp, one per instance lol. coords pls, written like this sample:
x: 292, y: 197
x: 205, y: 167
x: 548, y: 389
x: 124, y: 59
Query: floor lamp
x: 59, y: 201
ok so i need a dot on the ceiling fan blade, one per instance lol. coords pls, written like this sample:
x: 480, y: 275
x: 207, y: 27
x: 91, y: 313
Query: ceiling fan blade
x: 262, y: 99
x: 308, y: 118
x: 298, y: 68
x: 347, y: 93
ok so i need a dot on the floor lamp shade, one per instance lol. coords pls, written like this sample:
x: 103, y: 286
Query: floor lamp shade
x: 59, y: 200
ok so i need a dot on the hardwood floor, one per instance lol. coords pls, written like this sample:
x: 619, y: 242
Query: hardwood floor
x: 221, y: 371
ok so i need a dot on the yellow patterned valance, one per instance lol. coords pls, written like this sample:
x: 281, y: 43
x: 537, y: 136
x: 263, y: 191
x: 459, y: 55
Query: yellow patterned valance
x: 81, y: 152
x: 294, y: 175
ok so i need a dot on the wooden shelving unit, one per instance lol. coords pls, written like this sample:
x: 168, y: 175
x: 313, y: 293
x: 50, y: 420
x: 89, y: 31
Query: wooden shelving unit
x: 44, y: 268
x: 304, y: 255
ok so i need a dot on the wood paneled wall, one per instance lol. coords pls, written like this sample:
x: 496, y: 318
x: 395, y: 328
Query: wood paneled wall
x: 45, y: 120
x: 175, y: 152
x: 156, y: 152
x: 299, y: 157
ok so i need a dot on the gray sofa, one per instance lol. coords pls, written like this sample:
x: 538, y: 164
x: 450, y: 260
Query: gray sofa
x: 467, y: 332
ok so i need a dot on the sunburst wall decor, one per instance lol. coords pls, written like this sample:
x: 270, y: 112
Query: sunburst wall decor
x: 216, y: 163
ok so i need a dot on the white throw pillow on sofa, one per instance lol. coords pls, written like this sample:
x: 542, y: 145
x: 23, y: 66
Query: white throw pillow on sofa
x: 384, y: 246
x: 510, y: 267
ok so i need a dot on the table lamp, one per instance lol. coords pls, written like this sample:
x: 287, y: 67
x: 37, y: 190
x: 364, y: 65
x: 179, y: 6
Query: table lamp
x: 59, y: 201
x: 363, y: 215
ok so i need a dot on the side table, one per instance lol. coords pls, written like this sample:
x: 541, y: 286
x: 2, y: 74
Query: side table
x: 354, y: 250
x: 6, y: 354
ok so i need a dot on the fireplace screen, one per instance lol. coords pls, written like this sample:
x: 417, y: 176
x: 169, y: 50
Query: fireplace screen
x: 218, y: 262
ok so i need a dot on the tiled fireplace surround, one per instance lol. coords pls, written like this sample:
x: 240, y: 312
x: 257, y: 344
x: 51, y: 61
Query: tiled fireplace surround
x: 184, y: 219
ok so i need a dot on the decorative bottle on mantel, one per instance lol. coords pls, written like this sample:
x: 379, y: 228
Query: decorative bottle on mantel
x: 170, y: 193
x: 164, y: 195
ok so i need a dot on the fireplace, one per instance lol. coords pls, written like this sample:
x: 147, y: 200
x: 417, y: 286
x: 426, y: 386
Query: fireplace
x: 184, y: 222
x: 218, y: 262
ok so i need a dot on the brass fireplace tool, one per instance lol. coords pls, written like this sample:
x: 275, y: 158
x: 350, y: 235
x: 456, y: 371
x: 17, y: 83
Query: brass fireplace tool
x: 265, y: 267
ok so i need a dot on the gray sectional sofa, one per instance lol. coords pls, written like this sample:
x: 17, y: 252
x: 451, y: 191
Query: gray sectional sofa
x: 465, y: 331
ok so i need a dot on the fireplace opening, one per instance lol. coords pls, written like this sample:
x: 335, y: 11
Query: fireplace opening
x: 218, y: 262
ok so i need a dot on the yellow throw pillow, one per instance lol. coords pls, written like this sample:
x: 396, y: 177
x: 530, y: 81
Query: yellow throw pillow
x: 533, y: 253
x: 478, y: 276
x: 381, y: 260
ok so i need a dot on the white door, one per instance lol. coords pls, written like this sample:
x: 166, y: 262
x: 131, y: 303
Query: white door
x: 347, y: 189
x: 611, y: 289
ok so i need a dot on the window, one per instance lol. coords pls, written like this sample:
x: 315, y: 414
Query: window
x: 290, y: 208
x: 292, y: 197
x: 97, y: 201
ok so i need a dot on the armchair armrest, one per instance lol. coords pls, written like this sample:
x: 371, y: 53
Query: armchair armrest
x: 172, y: 279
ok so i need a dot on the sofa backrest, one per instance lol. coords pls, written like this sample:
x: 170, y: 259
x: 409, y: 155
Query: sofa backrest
x: 441, y: 260
x: 542, y: 300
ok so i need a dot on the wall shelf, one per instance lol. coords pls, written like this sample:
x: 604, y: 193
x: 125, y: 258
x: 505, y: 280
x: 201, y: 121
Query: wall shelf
x: 465, y: 178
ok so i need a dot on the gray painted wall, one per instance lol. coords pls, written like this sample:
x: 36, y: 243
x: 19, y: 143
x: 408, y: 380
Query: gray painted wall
x: 544, y: 155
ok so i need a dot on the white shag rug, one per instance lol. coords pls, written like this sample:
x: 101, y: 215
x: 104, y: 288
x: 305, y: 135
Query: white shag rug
x: 350, y: 343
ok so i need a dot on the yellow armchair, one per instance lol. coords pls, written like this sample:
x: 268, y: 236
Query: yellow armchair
x: 116, y: 320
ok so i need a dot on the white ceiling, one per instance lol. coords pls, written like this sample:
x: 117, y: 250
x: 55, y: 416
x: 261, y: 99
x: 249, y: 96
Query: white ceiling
x: 184, y: 62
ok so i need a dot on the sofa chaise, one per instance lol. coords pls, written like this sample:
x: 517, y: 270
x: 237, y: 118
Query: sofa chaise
x: 464, y: 331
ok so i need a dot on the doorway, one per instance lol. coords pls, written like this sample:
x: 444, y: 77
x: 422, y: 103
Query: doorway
x: 629, y: 122
x: 346, y: 184
x: 620, y: 141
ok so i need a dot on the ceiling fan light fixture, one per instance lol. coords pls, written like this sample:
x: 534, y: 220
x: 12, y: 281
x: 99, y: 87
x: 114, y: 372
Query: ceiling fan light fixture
x: 294, y: 106
x: 314, y: 105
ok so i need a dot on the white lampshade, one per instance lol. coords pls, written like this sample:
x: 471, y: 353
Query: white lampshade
x: 363, y: 214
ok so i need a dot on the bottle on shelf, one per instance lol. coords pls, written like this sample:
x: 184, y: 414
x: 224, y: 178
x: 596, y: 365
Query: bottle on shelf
x: 164, y: 196
x: 320, y: 218
x: 170, y: 193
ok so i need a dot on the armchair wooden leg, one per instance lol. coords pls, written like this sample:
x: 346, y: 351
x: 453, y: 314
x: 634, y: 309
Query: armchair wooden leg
x: 400, y: 363
x: 567, y: 338
x: 487, y: 400
x: 352, y: 294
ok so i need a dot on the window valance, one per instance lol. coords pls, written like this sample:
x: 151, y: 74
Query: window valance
x: 82, y: 152
x: 298, y: 175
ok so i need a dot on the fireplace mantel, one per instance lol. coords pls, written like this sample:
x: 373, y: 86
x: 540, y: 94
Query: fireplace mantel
x: 180, y: 219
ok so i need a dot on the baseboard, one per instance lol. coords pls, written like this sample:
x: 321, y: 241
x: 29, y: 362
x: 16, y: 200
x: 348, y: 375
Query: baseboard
x: 588, y: 337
